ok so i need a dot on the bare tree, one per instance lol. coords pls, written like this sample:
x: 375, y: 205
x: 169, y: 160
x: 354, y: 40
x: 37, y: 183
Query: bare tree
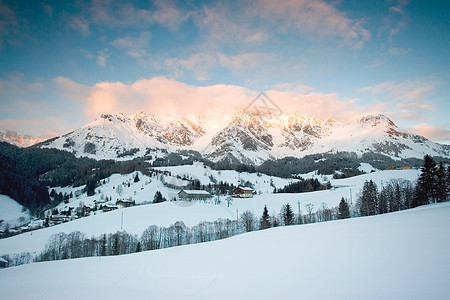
x: 309, y: 208
x: 248, y: 221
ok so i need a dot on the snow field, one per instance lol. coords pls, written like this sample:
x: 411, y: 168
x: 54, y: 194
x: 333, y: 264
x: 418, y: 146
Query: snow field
x: 402, y: 255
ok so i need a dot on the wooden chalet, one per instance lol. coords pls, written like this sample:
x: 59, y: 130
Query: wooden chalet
x: 243, y: 192
x: 126, y: 203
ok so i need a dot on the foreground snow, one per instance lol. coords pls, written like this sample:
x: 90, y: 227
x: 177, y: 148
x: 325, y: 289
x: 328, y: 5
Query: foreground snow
x: 403, y: 255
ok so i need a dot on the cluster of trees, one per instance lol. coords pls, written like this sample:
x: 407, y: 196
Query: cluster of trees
x: 433, y: 185
x: 304, y: 185
x: 76, y: 244
x: 394, y: 196
x: 341, y: 164
x: 286, y: 217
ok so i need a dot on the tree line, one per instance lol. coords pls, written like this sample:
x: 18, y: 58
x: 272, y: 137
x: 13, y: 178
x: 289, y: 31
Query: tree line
x: 433, y: 185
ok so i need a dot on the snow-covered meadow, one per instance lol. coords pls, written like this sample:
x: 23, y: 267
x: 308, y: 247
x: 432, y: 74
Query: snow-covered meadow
x: 402, y: 255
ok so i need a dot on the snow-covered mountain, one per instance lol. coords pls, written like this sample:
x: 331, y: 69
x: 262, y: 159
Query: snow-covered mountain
x: 20, y: 140
x: 248, y: 138
x: 119, y: 136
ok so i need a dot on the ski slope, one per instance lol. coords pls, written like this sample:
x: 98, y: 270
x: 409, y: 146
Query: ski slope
x: 403, y: 255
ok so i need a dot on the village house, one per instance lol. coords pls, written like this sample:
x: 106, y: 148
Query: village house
x: 189, y: 195
x: 107, y: 207
x: 125, y: 203
x: 242, y: 192
x: 58, y: 219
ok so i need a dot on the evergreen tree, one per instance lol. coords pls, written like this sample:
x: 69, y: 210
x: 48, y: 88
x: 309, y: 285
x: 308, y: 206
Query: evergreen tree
x: 368, y: 199
x: 288, y: 215
x: 382, y: 205
x: 265, y: 219
x: 138, y: 247
x: 158, y: 198
x: 90, y: 187
x: 344, y: 210
x: 136, y: 178
x: 103, y: 246
x: 425, y: 189
x: 396, y: 204
x: 115, y: 246
x: 275, y: 222
x: 442, y: 183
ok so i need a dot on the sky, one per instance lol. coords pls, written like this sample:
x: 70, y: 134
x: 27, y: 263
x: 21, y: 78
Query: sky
x: 64, y: 63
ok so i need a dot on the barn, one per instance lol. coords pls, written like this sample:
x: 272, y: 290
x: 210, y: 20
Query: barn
x: 189, y: 195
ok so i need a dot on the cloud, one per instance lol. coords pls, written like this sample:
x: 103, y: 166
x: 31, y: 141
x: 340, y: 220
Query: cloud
x: 135, y: 46
x: 123, y: 14
x: 406, y: 100
x: 407, y: 90
x: 431, y: 132
x: 13, y: 29
x: 313, y: 19
x: 170, y: 97
x: 397, y: 18
x: 102, y: 58
x: 399, y: 51
x: 76, y: 104
x: 375, y: 65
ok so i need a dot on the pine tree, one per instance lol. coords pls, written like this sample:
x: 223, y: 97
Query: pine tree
x: 158, y: 197
x: 368, y: 199
x: 397, y: 199
x: 103, y: 246
x: 441, y: 183
x: 425, y: 189
x: 344, y: 211
x: 275, y: 222
x: 136, y: 178
x: 138, y: 247
x: 115, y: 246
x: 288, y: 215
x: 265, y: 219
x: 382, y: 205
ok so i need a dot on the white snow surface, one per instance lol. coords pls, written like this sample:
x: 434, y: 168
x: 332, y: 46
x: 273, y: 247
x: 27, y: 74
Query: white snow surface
x: 11, y: 212
x: 403, y: 255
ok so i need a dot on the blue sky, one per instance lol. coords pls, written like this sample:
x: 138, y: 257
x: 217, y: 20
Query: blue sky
x: 63, y: 63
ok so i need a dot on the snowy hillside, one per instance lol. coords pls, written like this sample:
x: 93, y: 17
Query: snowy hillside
x: 136, y: 219
x: 249, y: 139
x: 401, y: 255
x: 12, y: 213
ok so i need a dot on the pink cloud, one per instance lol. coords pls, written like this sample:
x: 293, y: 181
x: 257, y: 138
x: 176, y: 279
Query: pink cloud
x: 431, y: 132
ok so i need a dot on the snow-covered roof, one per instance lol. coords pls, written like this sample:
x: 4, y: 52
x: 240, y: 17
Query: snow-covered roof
x: 196, y: 192
x: 3, y: 260
x: 244, y: 188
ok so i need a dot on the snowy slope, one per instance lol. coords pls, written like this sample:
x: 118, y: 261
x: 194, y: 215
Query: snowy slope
x: 249, y: 139
x: 137, y: 219
x: 401, y: 255
x: 12, y: 213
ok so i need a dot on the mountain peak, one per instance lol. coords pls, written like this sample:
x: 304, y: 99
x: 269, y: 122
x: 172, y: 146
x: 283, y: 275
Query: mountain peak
x: 375, y: 120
